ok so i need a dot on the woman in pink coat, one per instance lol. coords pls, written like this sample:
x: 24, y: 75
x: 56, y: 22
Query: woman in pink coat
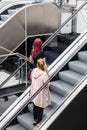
x: 42, y: 100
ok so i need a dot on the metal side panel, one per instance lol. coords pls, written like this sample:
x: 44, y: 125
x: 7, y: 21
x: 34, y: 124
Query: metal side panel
x: 41, y: 18
x: 12, y: 33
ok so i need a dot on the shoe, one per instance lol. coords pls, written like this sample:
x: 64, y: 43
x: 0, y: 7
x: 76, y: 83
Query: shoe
x: 5, y: 98
x: 35, y: 123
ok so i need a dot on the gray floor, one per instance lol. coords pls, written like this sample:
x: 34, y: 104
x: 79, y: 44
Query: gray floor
x: 5, y: 104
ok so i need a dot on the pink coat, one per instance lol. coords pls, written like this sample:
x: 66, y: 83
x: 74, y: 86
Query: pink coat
x: 38, y: 77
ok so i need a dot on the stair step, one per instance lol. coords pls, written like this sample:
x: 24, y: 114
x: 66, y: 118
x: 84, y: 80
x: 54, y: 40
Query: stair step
x: 15, y: 127
x: 60, y: 87
x: 78, y: 66
x: 82, y: 56
x: 5, y: 17
x: 56, y: 97
x: 70, y: 77
x: 11, y: 11
x: 26, y: 120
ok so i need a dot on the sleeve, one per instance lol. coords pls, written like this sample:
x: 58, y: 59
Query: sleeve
x: 45, y: 77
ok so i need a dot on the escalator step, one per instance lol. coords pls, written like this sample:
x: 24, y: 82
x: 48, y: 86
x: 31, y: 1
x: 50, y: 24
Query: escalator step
x: 83, y: 56
x: 70, y: 77
x: 15, y: 127
x: 4, y: 17
x: 78, y: 66
x: 26, y: 120
x: 11, y: 11
x: 60, y: 87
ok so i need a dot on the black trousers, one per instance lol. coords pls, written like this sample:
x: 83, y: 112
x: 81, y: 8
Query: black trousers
x: 37, y: 113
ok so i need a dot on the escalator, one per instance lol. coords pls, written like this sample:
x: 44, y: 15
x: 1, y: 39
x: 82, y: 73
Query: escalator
x: 67, y: 80
x: 9, y: 8
x: 6, y: 13
x: 59, y: 94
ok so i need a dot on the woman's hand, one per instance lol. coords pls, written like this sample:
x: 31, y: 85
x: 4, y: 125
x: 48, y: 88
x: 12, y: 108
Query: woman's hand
x: 30, y: 58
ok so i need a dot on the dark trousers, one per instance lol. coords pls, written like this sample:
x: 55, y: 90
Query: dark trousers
x: 37, y: 113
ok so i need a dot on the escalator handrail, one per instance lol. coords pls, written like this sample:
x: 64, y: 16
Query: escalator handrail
x: 66, y: 21
x: 9, y: 5
x: 43, y: 86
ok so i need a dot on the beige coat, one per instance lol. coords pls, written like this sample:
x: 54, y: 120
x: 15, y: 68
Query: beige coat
x: 38, y: 77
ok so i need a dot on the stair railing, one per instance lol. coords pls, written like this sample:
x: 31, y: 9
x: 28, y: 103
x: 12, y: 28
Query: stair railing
x: 16, y: 71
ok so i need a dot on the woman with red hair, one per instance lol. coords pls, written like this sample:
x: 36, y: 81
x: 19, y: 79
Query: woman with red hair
x: 37, y: 53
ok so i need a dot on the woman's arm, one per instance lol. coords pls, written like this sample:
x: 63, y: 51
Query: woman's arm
x: 30, y: 58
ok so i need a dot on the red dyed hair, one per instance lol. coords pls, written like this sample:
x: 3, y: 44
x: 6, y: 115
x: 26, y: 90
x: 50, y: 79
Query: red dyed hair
x: 36, y: 48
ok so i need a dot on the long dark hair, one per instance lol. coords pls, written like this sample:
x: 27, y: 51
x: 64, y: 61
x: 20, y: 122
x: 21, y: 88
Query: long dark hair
x: 36, y: 48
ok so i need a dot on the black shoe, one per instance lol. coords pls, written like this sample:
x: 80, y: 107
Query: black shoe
x: 5, y: 98
x: 35, y: 123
